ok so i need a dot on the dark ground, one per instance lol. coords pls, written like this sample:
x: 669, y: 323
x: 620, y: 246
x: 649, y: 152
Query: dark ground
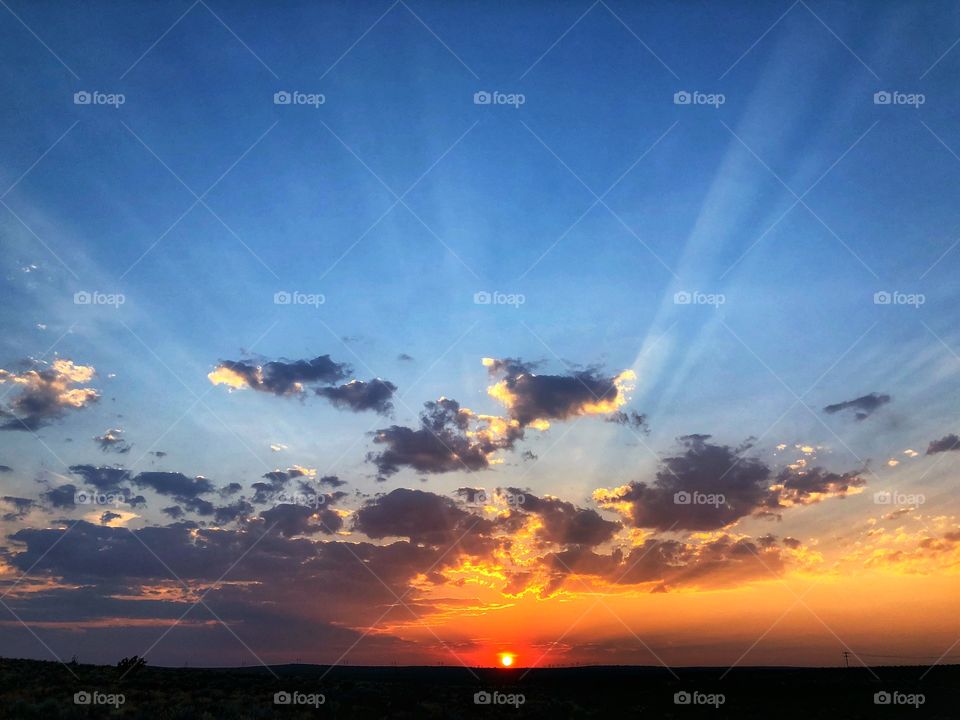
x: 35, y: 689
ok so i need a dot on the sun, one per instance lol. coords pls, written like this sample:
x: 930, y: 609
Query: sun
x: 506, y: 659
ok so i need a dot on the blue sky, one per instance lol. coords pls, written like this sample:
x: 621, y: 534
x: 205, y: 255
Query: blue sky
x: 598, y: 200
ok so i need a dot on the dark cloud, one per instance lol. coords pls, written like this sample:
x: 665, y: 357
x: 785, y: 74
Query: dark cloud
x: 292, y: 520
x: 236, y: 510
x: 109, y: 515
x: 705, y: 487
x: 862, y: 407
x: 631, y: 419
x: 442, y: 443
x: 21, y: 507
x: 158, y: 453
x: 46, y: 394
x: 112, y: 441
x: 944, y: 444
x: 404, y: 357
x: 60, y: 497
x: 106, y: 479
x: 230, y: 489
x: 423, y: 518
x: 563, y: 522
x: 5, y: 468
x: 174, y: 484
x: 666, y: 564
x: 174, y: 511
x: 277, y: 481
x: 530, y: 397
x: 280, y: 377
x: 359, y: 396
x: 332, y: 481
x: 805, y: 487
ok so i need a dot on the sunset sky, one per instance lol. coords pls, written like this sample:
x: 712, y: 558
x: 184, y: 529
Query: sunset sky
x: 389, y: 373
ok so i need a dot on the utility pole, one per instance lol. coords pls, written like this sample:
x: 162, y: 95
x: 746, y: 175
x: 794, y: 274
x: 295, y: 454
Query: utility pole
x: 846, y: 658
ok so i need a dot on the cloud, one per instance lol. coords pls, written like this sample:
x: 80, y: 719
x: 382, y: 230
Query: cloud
x: 562, y: 522
x: 705, y: 487
x: 21, y: 507
x: 109, y: 516
x: 277, y: 481
x: 61, y: 496
x: 279, y: 377
x: 534, y: 400
x: 112, y: 441
x: 104, y: 478
x: 806, y: 487
x: 46, y: 394
x: 332, y: 481
x: 359, y: 396
x: 863, y: 406
x: 5, y: 469
x: 292, y: 520
x: 450, y: 438
x: 709, y: 563
x: 631, y: 419
x: 423, y: 518
x: 186, y: 491
x: 403, y: 357
x: 944, y: 444
x: 237, y: 510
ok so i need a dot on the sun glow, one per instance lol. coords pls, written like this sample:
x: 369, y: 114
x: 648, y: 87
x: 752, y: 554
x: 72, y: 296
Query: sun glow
x: 506, y: 659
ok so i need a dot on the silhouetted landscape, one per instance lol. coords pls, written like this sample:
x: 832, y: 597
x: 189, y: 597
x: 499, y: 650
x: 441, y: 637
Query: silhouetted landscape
x: 36, y: 689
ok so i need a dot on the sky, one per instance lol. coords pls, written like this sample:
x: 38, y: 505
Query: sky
x: 424, y: 332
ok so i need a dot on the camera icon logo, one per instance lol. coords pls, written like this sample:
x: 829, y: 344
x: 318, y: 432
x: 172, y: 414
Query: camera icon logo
x: 882, y: 298
x: 884, y: 497
x: 82, y: 698
x: 482, y: 97
x: 282, y: 298
x: 282, y: 698
x: 882, y: 698
x: 682, y: 298
x: 82, y: 298
x: 682, y: 98
x: 82, y: 98
x: 82, y: 498
x: 682, y: 698
x: 482, y: 698
x: 482, y: 298
x: 882, y: 97
x: 682, y: 498
x: 282, y: 98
